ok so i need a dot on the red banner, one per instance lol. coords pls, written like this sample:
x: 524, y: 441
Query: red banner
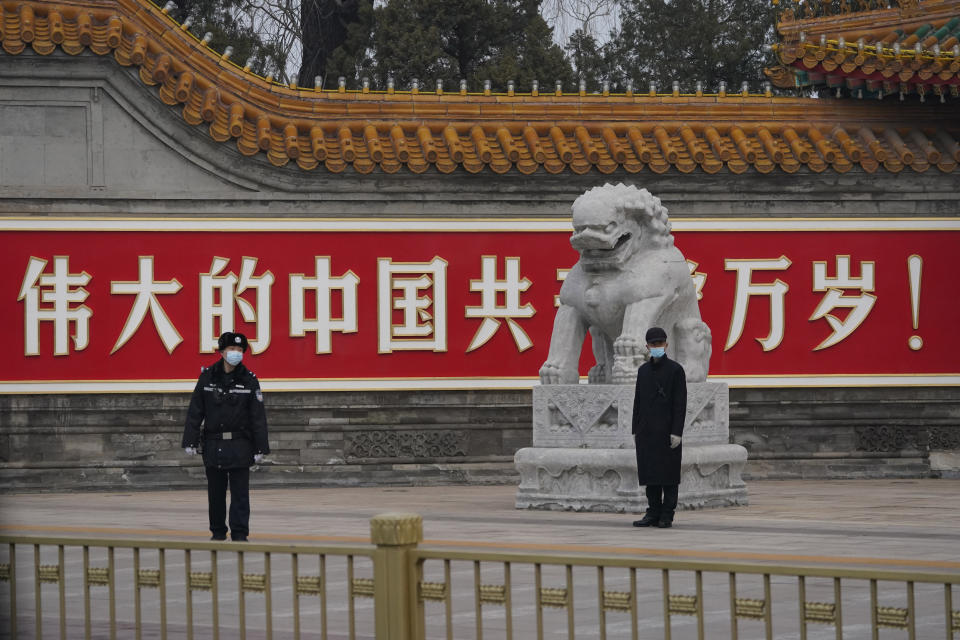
x: 94, y: 305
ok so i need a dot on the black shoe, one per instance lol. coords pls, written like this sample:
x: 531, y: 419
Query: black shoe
x: 666, y: 521
x: 239, y: 538
x: 219, y: 538
x: 649, y: 520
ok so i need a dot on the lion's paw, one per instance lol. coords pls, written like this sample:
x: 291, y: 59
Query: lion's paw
x: 625, y: 370
x: 597, y: 374
x: 629, y: 346
x: 551, y: 373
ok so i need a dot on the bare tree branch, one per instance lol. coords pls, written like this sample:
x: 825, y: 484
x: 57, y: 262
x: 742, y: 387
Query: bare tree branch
x: 595, y: 18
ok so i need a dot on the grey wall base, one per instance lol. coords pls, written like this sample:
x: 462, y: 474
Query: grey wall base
x: 132, y: 441
x: 127, y: 475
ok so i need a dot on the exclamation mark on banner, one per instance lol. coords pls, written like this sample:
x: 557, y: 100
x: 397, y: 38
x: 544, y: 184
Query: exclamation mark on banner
x: 915, y: 270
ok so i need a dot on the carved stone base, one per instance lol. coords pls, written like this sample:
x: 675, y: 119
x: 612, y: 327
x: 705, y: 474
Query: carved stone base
x: 583, y: 457
x: 606, y: 479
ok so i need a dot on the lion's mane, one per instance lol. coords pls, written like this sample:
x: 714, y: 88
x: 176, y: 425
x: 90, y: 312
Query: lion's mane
x: 639, y: 204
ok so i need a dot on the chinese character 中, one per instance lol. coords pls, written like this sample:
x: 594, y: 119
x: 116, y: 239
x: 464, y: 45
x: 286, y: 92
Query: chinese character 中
x: 146, y: 290
x: 424, y: 325
x: 58, y: 291
x: 859, y: 305
x: 323, y: 284
x: 511, y: 286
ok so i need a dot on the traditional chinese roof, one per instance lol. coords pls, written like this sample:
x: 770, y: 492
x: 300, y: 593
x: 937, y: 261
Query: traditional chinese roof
x: 872, y: 50
x: 555, y: 132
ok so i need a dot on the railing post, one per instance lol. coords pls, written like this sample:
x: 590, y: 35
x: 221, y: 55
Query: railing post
x: 395, y: 535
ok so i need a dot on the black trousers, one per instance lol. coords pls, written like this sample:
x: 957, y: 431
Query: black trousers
x: 239, y: 483
x: 662, y: 498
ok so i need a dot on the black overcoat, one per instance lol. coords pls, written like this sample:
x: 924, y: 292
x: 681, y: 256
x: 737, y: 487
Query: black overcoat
x: 227, y: 402
x: 659, y: 410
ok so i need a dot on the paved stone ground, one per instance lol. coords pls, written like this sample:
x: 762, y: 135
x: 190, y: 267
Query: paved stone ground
x: 898, y: 525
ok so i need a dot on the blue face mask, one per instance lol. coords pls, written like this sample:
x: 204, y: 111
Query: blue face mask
x: 233, y: 358
x: 658, y: 352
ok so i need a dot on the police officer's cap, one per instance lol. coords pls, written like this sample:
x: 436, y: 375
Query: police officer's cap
x: 231, y: 339
x: 656, y: 334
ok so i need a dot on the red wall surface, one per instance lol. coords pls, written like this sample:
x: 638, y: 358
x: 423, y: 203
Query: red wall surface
x: 878, y: 346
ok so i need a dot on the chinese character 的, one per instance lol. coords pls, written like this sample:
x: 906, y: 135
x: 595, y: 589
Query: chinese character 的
x: 229, y: 287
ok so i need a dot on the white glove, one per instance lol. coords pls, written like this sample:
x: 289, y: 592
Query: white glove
x: 190, y: 451
x: 675, y: 441
x: 258, y: 458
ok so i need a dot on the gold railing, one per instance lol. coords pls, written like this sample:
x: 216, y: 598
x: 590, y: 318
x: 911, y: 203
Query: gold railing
x: 174, y: 572
x: 423, y: 592
x: 657, y: 602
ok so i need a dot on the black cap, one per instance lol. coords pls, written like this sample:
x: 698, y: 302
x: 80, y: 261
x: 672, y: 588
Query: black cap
x: 656, y: 334
x: 231, y: 339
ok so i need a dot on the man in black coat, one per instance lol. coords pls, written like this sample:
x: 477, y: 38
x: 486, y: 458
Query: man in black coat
x: 659, y: 410
x: 228, y: 403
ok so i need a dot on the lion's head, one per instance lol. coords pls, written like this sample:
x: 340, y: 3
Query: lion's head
x: 612, y: 223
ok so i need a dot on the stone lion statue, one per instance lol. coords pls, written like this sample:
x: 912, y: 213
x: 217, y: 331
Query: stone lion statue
x: 629, y: 277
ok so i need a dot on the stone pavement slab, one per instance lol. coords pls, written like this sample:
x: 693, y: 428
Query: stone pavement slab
x: 900, y: 525
x: 858, y: 523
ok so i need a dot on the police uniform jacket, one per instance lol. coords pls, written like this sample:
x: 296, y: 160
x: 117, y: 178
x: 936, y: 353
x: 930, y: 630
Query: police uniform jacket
x: 659, y: 411
x: 230, y: 408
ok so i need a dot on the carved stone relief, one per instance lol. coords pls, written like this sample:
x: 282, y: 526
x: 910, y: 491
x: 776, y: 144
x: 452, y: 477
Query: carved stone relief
x: 600, y: 416
x: 944, y: 438
x: 407, y: 444
x: 882, y: 439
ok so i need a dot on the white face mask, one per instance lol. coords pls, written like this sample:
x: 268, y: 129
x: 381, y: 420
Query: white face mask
x: 233, y: 358
x: 658, y: 352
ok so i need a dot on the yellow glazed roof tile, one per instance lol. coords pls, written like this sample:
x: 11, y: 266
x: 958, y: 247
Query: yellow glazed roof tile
x: 367, y: 131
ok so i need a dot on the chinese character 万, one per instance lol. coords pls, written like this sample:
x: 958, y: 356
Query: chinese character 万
x: 511, y: 286
x: 859, y: 305
x: 323, y: 322
x: 58, y: 291
x: 146, y: 290
x: 421, y: 329
x: 227, y: 289
x: 777, y: 290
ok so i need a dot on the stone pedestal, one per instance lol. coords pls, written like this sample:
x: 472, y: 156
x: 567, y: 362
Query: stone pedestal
x: 583, y: 456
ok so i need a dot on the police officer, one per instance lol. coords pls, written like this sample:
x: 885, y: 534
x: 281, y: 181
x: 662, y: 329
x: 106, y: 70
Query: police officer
x: 228, y: 403
x: 659, y: 411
